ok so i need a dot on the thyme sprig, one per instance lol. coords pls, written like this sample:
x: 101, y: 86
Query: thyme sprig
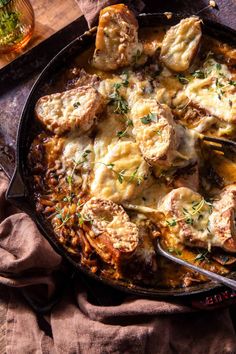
x: 176, y: 251
x: 189, y: 214
x: 121, y: 105
x: 150, y: 117
x: 121, y: 176
x: 123, y: 133
x: 202, y: 256
x: 60, y: 216
x: 182, y: 79
x: 70, y: 178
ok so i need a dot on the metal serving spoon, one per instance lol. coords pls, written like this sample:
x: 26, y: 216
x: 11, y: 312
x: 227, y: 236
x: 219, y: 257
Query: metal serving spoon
x: 213, y: 276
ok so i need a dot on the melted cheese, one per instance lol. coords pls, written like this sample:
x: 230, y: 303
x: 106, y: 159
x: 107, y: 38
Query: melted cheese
x: 180, y: 44
x: 190, y: 213
x: 77, y: 156
x: 214, y: 93
x: 117, y: 38
x: 63, y: 112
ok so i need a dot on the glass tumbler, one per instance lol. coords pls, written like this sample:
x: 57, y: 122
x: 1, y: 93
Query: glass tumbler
x: 16, y: 24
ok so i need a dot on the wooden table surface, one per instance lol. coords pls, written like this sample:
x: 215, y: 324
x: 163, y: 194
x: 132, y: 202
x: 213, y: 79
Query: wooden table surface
x: 52, y: 15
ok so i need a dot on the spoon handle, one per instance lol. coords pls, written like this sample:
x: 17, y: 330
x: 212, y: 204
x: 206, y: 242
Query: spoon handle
x: 213, y: 276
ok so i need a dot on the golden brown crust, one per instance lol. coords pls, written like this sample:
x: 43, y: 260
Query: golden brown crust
x: 222, y: 219
x: 155, y: 131
x: 117, y: 38
x: 112, y: 234
x: 180, y: 44
x: 66, y: 111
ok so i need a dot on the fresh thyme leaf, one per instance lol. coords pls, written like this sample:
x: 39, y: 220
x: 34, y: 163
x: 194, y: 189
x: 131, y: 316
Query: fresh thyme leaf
x: 69, y: 179
x: 175, y: 250
x: 3, y: 2
x: 172, y: 222
x: 135, y: 177
x: 195, y: 204
x: 80, y: 219
x: 85, y: 154
x: 121, y: 105
x: 76, y: 104
x: 202, y: 256
x: 199, y: 74
x: 110, y: 165
x: 121, y: 175
x: 218, y: 66
x: 137, y: 56
x: 232, y: 82
x: 129, y: 123
x: 125, y: 82
x: 121, y: 133
x: 59, y: 216
x: 117, y: 86
x: 151, y: 117
x: 159, y: 132
x: 218, y: 83
x: 189, y: 220
x: 182, y: 79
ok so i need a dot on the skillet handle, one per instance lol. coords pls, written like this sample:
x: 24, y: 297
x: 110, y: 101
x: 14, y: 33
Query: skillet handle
x: 16, y: 192
x: 7, y: 159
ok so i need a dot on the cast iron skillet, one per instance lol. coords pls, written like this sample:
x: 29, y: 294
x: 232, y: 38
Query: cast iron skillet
x: 19, y: 191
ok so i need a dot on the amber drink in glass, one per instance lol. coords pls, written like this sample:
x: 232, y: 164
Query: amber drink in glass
x: 16, y: 24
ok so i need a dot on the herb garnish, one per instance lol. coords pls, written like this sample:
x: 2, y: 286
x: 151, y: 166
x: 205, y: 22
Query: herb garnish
x: 219, y: 90
x: 76, y: 104
x: 172, y: 222
x: 123, y: 133
x: 175, y: 250
x: 82, y: 219
x: 199, y: 74
x: 150, y: 117
x: 64, y: 220
x: 121, y: 105
x: 84, y: 158
x: 188, y: 214
x: 202, y: 256
x: 182, y: 79
x: 3, y: 2
x: 232, y: 82
x: 122, y: 174
x: 134, y: 177
x: 125, y: 82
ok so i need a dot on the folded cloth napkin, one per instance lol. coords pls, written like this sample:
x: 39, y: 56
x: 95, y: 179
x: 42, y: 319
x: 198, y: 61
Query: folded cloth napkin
x: 76, y: 324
